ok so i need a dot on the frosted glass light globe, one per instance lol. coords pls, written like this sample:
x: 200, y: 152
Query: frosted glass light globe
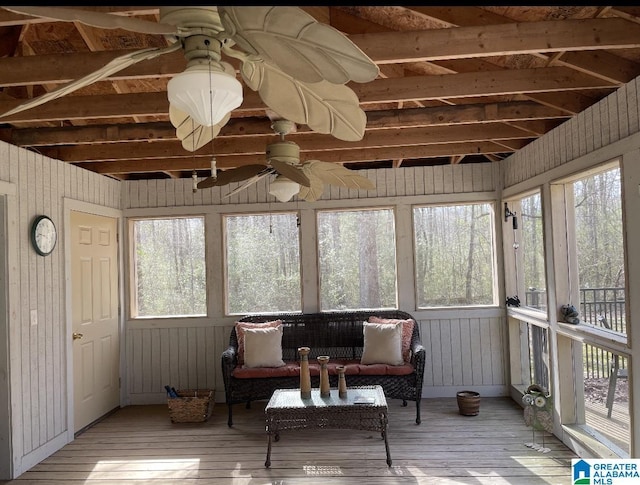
x: 205, y: 95
x: 283, y: 189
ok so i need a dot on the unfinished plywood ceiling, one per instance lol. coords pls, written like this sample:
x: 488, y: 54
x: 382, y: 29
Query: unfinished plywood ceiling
x: 461, y: 84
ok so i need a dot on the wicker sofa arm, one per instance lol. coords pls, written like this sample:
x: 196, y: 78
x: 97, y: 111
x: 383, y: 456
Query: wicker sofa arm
x: 229, y: 362
x: 418, y: 355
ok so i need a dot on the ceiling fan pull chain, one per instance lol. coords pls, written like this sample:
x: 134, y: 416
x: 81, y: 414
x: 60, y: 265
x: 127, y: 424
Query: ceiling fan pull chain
x: 214, y: 168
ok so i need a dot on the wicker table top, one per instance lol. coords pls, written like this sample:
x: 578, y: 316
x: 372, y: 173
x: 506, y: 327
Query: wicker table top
x: 364, y: 408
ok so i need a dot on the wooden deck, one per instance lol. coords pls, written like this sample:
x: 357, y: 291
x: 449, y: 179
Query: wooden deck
x: 613, y: 431
x: 139, y: 445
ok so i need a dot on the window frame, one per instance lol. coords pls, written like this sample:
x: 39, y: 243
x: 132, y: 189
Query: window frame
x: 393, y: 210
x: 133, y: 274
x: 494, y: 254
x: 225, y: 266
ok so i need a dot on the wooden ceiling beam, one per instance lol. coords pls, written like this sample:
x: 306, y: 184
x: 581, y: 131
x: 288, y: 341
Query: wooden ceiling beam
x: 356, y: 155
x: 307, y: 142
x: 413, y: 88
x: 384, y: 119
x: 501, y: 39
x: 383, y: 47
x: 10, y: 18
x: 598, y: 63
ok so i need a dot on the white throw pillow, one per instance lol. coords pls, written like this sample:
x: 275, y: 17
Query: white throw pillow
x: 263, y: 347
x: 382, y: 344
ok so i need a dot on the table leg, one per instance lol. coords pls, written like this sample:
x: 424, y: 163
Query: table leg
x: 383, y: 420
x: 267, y: 462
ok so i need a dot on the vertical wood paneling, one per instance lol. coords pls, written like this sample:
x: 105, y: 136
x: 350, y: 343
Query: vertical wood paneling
x: 476, y: 351
x: 156, y: 360
x: 623, y: 117
x: 429, y: 181
x: 463, y: 352
x: 41, y: 396
x: 615, y: 117
x: 632, y: 107
x: 419, y: 186
x: 614, y: 121
x: 185, y: 358
x: 446, y: 354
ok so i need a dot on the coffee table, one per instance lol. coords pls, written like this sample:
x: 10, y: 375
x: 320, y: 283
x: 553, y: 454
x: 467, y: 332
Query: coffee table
x: 364, y: 408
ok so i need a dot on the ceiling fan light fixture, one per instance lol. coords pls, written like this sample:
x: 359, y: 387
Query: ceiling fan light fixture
x: 189, y: 91
x: 283, y: 189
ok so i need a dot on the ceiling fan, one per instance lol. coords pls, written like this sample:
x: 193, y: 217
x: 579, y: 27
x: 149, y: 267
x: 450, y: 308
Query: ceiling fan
x: 283, y: 158
x: 298, y: 66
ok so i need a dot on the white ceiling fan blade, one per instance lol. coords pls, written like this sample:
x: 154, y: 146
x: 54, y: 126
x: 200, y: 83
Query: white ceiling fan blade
x: 251, y: 181
x: 193, y: 135
x: 324, y: 107
x: 302, y: 47
x: 232, y: 175
x: 314, y: 191
x: 336, y: 174
x: 97, y: 19
x: 116, y: 65
x: 289, y: 171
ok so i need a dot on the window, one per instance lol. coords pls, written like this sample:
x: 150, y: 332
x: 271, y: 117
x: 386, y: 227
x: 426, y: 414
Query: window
x: 357, y: 259
x: 454, y: 254
x: 262, y: 263
x: 169, y: 267
x: 599, y: 249
x: 531, y: 249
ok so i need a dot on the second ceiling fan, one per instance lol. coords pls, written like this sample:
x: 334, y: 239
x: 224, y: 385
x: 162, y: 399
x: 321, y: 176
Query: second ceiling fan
x: 306, y: 179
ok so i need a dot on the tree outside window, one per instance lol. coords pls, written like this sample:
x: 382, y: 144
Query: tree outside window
x: 454, y: 255
x: 169, y: 267
x: 531, y: 249
x: 357, y: 259
x: 262, y: 263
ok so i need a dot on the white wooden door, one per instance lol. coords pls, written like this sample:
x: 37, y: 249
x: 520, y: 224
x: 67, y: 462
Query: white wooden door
x: 95, y: 332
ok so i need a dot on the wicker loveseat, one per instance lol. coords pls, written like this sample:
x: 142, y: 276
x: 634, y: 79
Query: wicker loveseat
x: 338, y: 335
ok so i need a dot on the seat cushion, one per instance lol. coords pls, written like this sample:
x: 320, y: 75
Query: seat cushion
x: 353, y: 367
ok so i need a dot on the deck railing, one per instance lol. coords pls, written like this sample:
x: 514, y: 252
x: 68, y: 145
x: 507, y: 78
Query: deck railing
x: 601, y: 307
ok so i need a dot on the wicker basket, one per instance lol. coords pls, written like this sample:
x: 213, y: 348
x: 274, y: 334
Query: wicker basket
x: 193, y: 405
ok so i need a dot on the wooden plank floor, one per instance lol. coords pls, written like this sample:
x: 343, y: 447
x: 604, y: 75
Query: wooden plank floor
x: 139, y: 445
x: 614, y: 429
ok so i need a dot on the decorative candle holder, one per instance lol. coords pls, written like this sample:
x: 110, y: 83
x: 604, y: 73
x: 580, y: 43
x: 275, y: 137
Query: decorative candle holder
x: 342, y: 382
x: 325, y: 390
x: 305, y: 375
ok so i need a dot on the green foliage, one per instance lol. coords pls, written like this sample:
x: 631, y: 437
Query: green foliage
x: 170, y: 267
x: 357, y: 259
x: 454, y: 255
x: 263, y: 263
x: 531, y: 244
x: 598, y: 226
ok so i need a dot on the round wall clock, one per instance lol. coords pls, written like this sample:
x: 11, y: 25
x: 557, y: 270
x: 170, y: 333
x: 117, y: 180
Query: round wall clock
x: 43, y: 235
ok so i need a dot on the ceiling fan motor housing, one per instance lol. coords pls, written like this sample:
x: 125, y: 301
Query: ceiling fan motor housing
x: 286, y: 151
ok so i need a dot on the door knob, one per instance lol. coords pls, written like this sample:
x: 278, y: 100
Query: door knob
x: 77, y: 335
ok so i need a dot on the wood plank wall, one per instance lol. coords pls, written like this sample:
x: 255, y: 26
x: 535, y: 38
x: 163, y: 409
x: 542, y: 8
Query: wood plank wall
x: 405, y: 181
x: 612, y: 119
x: 464, y: 351
x: 36, y: 185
